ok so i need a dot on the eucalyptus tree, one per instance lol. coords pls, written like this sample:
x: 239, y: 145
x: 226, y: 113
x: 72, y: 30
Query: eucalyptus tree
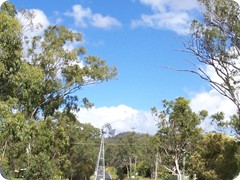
x: 215, y: 42
x: 12, y: 124
x: 39, y: 78
x: 44, y: 76
x: 178, y: 131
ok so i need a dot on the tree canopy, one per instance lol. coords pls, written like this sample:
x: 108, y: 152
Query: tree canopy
x: 178, y: 132
x: 39, y: 130
x: 39, y: 77
x: 216, y: 157
x: 215, y: 42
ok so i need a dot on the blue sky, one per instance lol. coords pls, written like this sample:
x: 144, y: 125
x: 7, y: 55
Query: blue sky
x: 139, y: 37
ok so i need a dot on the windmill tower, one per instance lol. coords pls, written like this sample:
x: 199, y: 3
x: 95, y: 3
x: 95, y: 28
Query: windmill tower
x: 100, y: 166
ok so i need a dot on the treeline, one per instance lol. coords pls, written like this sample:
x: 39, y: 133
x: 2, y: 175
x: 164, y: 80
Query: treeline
x: 179, y: 146
x: 39, y: 131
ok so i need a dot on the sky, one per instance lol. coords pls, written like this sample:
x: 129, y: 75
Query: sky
x: 140, y: 38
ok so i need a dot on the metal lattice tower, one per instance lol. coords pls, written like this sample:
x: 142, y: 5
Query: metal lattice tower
x: 100, y: 166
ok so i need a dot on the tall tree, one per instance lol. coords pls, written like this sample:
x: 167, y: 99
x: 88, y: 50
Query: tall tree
x: 177, y: 131
x: 44, y: 76
x: 39, y: 76
x: 215, y: 42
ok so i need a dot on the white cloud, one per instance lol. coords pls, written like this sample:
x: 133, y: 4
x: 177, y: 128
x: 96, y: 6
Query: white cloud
x: 40, y: 18
x: 100, y: 21
x: 58, y: 21
x: 39, y: 22
x: 84, y: 17
x: 122, y: 118
x: 168, y: 20
x: 34, y: 22
x: 168, y: 14
x: 80, y: 15
x: 213, y: 102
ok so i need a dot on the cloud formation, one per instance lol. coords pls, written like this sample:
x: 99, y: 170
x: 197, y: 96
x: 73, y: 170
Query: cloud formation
x: 168, y: 14
x: 122, y: 118
x: 39, y: 22
x: 211, y: 100
x: 84, y: 17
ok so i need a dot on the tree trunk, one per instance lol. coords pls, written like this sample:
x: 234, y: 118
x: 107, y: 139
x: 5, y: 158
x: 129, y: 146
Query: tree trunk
x: 178, y: 170
x: 130, y: 168
x: 135, y: 168
x: 127, y: 171
x: 156, y: 167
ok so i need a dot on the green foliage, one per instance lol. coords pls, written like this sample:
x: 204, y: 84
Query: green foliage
x: 10, y: 53
x: 144, y: 169
x: 178, y: 132
x: 215, y: 158
x: 82, y: 153
x: 40, y: 168
x: 215, y: 42
x: 8, y: 8
x: 126, y: 151
x: 233, y: 123
x: 39, y: 76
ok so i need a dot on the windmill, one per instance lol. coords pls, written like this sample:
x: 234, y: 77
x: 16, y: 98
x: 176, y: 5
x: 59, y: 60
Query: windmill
x: 100, y: 166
